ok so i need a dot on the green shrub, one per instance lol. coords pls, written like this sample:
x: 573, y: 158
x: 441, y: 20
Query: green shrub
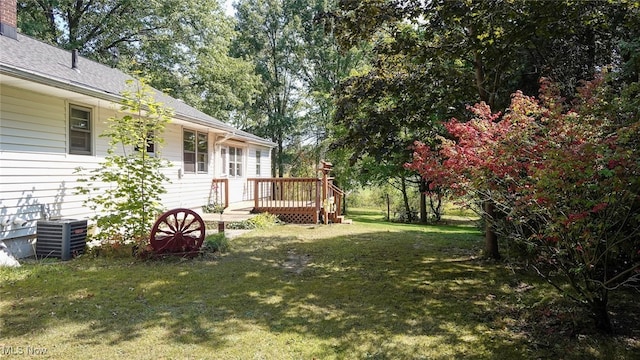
x: 113, y: 250
x: 261, y: 221
x: 215, y: 243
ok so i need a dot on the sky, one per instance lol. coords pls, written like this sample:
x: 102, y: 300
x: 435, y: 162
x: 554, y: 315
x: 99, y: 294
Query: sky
x: 228, y: 7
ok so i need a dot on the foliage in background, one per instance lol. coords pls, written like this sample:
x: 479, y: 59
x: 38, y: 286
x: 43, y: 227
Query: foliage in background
x: 564, y: 179
x: 300, y: 64
x: 430, y: 59
x: 180, y: 46
x: 124, y: 191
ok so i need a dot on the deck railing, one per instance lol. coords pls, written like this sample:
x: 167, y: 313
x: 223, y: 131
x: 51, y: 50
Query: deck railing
x: 335, y: 210
x: 219, y: 192
x: 295, y: 200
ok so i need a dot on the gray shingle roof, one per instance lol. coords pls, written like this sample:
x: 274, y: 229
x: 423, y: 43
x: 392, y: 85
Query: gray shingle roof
x: 50, y: 65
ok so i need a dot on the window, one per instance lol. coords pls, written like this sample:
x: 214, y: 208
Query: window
x: 235, y: 161
x: 195, y: 151
x: 203, y: 152
x: 223, y: 160
x: 79, y: 130
x: 258, y: 165
x: 151, y: 146
x: 189, y: 150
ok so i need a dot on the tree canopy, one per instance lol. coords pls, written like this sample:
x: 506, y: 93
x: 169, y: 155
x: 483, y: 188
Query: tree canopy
x: 182, y: 47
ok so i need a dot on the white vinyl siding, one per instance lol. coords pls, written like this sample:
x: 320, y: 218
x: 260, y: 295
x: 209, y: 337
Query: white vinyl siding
x: 32, y: 122
x: 258, y: 162
x: 37, y: 173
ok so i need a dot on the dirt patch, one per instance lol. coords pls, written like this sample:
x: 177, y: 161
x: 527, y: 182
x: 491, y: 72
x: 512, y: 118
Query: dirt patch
x: 295, y: 263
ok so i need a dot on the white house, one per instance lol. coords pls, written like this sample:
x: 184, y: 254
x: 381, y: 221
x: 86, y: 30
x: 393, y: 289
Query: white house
x: 53, y: 107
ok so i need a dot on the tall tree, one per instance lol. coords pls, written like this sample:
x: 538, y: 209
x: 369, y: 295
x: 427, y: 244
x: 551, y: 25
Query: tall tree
x: 269, y: 34
x: 182, y: 47
x: 462, y: 52
x: 325, y: 65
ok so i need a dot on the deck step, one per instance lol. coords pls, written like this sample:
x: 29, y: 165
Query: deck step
x: 341, y: 220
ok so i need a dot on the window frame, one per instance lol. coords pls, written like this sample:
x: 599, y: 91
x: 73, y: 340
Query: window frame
x: 232, y: 163
x: 151, y: 144
x: 235, y: 165
x: 202, y: 152
x: 258, y: 163
x: 194, y: 166
x: 88, y: 133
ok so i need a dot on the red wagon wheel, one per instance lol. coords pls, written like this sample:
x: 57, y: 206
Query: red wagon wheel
x: 178, y: 231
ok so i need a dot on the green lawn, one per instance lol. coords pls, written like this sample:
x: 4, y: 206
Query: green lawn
x: 368, y: 290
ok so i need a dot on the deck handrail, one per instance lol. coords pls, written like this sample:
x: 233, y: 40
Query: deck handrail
x: 285, y: 192
x: 312, y: 197
x: 219, y: 191
x: 338, y: 195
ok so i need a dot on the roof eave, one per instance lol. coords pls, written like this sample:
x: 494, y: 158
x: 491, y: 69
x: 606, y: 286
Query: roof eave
x: 116, y: 98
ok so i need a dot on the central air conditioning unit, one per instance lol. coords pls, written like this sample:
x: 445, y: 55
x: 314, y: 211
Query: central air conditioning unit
x: 62, y: 239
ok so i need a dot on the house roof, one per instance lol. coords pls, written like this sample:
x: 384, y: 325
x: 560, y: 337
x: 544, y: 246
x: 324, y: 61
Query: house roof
x: 39, y: 62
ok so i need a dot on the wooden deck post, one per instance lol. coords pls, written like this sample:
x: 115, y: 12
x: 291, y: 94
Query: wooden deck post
x: 256, y: 193
x: 326, y: 168
x: 316, y: 217
x: 226, y: 193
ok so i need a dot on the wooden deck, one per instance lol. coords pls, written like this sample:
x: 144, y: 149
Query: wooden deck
x: 293, y: 200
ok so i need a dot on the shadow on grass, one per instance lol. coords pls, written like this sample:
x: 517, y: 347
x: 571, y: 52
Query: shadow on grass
x: 385, y: 294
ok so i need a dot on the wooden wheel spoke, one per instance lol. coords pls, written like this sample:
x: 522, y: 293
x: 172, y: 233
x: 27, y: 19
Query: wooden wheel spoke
x: 178, y: 231
x: 191, y: 231
x: 170, y: 232
x: 170, y: 225
x: 189, y: 224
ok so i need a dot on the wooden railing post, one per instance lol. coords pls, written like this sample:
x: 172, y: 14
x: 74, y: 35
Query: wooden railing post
x: 318, y: 208
x: 256, y: 193
x: 226, y: 193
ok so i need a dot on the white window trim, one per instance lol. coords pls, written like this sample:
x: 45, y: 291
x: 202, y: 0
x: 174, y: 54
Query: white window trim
x: 196, y: 152
x: 226, y: 161
x: 258, y: 162
x: 91, y: 130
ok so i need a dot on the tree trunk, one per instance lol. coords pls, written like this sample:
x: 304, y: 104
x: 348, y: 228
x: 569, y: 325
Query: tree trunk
x: 423, y: 208
x: 405, y: 199
x: 388, y: 207
x: 436, y: 206
x: 423, y: 201
x: 490, y: 237
x: 280, y: 156
x: 600, y: 315
x: 274, y: 162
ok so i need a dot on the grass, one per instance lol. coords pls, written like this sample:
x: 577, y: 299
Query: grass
x: 370, y: 290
